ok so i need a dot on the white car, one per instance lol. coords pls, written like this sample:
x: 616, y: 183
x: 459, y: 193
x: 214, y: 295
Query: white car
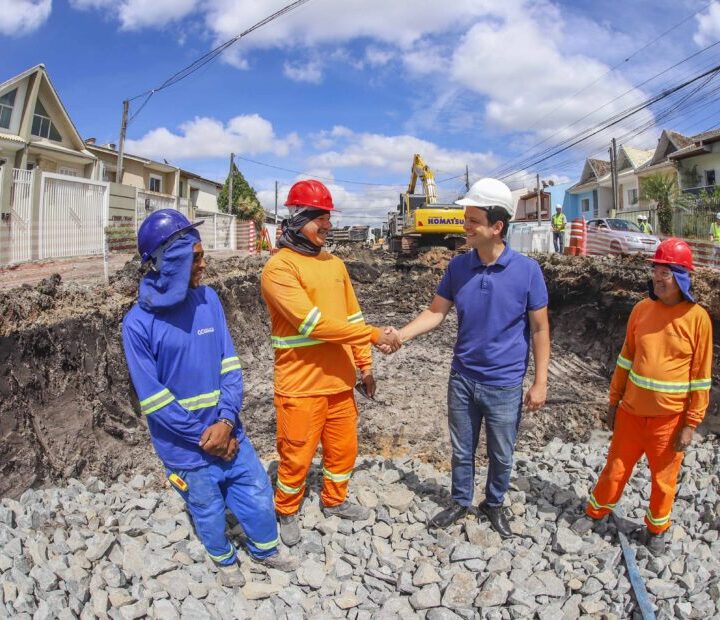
x: 616, y: 236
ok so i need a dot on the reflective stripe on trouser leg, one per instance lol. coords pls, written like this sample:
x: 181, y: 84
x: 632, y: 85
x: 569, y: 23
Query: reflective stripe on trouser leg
x: 664, y: 465
x: 249, y: 495
x: 299, y: 424
x: 339, y: 441
x: 626, y: 448
x: 207, y: 508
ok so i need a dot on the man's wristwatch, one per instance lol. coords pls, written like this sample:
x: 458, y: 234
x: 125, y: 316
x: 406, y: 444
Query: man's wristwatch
x: 227, y: 423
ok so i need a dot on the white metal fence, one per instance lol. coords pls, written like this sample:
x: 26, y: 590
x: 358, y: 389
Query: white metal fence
x: 218, y: 231
x: 146, y: 203
x: 21, y: 216
x: 73, y: 216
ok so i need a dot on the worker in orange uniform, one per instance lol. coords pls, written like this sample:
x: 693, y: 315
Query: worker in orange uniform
x: 659, y: 391
x: 320, y: 338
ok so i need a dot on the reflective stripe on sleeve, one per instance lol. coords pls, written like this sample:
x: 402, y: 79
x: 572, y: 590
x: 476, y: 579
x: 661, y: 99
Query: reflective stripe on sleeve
x: 356, y: 318
x: 699, y: 385
x: 336, y: 477
x: 230, y: 363
x: 292, y: 342
x: 156, y: 401
x: 624, y: 363
x: 311, y: 320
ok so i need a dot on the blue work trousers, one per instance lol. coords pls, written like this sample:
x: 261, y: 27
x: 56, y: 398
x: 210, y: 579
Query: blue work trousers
x: 243, y: 486
x: 469, y: 403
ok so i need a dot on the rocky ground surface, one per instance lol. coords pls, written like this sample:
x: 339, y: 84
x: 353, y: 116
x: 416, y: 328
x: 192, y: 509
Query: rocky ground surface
x: 128, y: 550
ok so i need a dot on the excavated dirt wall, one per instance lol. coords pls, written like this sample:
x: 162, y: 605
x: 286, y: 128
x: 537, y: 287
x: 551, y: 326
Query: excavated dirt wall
x: 67, y: 408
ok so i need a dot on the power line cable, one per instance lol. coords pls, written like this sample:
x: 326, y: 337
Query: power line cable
x: 614, y: 120
x: 614, y: 67
x: 630, y: 90
x: 210, y: 56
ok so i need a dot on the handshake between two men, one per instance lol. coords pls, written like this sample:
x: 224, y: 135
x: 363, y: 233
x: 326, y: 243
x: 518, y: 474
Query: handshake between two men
x: 390, y: 341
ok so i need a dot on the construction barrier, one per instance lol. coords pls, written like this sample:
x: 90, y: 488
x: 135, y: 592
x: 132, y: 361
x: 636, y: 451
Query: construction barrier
x: 704, y: 253
x: 578, y: 237
x: 246, y: 237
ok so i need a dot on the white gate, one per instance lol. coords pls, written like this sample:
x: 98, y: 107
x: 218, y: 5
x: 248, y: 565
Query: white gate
x: 73, y: 216
x: 146, y: 203
x: 21, y: 221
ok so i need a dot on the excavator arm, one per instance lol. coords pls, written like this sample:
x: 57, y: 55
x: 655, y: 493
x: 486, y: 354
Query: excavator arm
x: 422, y: 170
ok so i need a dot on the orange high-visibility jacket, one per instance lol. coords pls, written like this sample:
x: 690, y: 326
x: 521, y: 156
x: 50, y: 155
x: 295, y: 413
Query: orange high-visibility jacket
x: 318, y: 330
x: 665, y: 364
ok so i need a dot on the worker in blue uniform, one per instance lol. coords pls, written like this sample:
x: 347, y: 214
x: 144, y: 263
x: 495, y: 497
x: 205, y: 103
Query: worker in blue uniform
x: 189, y: 384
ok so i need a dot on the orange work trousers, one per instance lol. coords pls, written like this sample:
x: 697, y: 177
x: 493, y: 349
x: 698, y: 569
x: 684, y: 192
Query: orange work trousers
x: 302, y: 422
x: 632, y: 437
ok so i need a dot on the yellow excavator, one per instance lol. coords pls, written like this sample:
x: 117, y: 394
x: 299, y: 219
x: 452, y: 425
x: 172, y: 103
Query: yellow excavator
x: 420, y: 220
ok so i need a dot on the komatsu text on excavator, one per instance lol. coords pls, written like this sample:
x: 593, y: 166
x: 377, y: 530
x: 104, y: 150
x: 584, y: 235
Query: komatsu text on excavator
x: 420, y: 220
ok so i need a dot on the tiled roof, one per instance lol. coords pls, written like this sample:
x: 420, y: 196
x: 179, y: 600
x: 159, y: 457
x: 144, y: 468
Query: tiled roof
x: 600, y: 167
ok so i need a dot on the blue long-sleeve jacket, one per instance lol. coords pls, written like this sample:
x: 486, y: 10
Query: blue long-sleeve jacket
x: 186, y: 374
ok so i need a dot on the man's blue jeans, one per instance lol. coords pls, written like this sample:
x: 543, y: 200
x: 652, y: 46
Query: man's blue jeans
x: 469, y: 403
x: 243, y: 486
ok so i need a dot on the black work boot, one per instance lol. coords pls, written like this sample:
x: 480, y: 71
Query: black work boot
x: 655, y: 543
x: 497, y: 518
x: 445, y: 518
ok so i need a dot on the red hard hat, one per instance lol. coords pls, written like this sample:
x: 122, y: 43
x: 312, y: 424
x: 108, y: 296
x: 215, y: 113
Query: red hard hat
x: 310, y: 193
x: 674, y: 251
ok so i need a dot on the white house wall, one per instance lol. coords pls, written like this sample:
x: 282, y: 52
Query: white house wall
x: 206, y: 196
x: 709, y: 161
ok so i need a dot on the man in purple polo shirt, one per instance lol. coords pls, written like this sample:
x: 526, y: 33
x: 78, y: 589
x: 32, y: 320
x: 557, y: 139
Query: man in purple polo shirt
x: 501, y: 302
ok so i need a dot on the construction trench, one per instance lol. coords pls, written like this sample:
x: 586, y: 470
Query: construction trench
x: 68, y: 411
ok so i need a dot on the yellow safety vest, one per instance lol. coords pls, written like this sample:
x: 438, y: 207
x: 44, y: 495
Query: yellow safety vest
x: 715, y: 232
x: 558, y: 222
x: 645, y: 227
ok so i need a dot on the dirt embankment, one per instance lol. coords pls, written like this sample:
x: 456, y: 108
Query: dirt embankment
x: 67, y: 407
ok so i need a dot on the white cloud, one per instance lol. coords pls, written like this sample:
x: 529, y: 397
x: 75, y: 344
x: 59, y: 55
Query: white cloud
x: 19, y: 17
x: 310, y: 72
x: 209, y: 137
x: 394, y: 153
x: 378, y: 57
x: 138, y: 14
x: 535, y: 81
x: 708, y: 30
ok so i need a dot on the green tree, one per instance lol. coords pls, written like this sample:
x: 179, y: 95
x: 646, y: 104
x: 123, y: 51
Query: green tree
x: 245, y: 203
x: 664, y: 191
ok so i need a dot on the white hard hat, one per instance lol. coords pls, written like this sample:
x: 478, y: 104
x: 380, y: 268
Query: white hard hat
x: 558, y: 207
x: 642, y: 217
x: 489, y: 193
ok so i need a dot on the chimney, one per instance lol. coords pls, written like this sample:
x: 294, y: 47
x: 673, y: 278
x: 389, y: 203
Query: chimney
x: 112, y: 146
x: 90, y: 141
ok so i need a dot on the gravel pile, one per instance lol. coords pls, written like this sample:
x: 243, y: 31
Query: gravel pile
x: 128, y: 550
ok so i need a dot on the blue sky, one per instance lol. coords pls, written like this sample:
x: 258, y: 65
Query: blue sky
x: 349, y: 90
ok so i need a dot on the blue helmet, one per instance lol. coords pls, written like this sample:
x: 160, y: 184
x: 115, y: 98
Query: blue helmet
x: 160, y: 229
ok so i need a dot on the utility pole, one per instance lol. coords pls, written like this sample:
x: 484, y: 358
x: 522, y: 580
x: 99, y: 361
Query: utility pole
x: 539, y: 198
x: 467, y: 178
x: 230, y: 183
x: 121, y: 142
x: 276, y: 197
x: 613, y: 175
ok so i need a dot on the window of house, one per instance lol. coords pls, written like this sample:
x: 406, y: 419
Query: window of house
x: 7, y: 101
x: 585, y: 202
x: 155, y: 184
x: 109, y: 173
x: 69, y: 172
x: 709, y: 177
x: 42, y: 126
x: 632, y: 196
x: 182, y: 189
